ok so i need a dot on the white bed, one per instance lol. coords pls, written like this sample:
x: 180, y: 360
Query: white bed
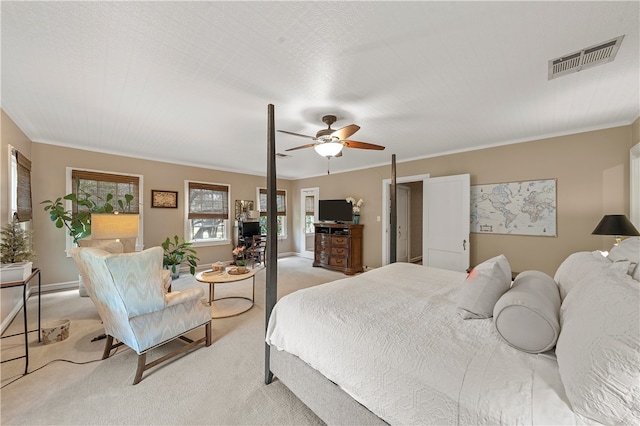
x: 393, y: 340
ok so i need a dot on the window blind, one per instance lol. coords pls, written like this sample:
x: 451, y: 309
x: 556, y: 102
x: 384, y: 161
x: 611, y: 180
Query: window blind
x: 208, y: 201
x: 281, y: 202
x: 309, y: 204
x: 99, y: 184
x: 24, y: 211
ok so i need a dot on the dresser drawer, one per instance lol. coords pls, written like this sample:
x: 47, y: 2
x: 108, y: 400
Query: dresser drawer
x: 339, y: 241
x: 339, y: 251
x: 339, y: 261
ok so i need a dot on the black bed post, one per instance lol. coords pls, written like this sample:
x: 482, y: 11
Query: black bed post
x: 393, y: 234
x: 272, y: 234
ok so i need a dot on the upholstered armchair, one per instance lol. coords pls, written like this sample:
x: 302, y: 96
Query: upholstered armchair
x: 135, y: 308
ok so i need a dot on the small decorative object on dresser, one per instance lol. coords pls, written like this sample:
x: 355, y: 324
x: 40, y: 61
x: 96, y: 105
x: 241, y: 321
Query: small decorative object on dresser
x: 355, y: 208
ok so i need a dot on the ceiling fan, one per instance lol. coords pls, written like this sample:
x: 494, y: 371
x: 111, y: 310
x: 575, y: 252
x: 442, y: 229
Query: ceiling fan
x: 329, y: 142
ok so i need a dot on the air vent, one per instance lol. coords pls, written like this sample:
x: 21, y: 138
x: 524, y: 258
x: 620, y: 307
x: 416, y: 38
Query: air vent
x: 281, y: 155
x: 585, y: 58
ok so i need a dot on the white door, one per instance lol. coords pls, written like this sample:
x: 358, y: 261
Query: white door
x: 447, y: 213
x: 402, y: 204
x: 309, y: 215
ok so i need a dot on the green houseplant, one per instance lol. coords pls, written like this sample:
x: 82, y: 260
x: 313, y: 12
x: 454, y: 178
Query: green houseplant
x: 177, y: 253
x: 79, y: 225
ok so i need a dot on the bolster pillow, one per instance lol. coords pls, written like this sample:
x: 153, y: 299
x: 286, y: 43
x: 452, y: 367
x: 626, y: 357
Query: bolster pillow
x: 528, y: 315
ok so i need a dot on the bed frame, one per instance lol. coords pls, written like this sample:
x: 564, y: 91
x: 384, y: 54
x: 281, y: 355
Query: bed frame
x: 322, y: 396
x: 326, y: 399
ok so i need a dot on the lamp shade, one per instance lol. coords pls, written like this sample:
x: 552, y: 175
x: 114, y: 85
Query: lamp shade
x: 114, y: 226
x: 328, y: 149
x: 615, y: 224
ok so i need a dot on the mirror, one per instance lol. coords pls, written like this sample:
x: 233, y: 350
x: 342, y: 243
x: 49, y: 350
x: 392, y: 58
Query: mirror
x: 244, y: 209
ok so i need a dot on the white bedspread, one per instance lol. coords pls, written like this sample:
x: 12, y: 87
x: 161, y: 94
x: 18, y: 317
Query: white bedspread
x: 393, y: 340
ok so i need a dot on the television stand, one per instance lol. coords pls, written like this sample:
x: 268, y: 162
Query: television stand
x: 338, y: 246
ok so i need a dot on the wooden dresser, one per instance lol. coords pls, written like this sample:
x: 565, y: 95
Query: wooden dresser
x: 338, y: 247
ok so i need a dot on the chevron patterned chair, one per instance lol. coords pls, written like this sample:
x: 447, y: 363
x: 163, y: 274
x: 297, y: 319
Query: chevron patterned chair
x: 129, y: 293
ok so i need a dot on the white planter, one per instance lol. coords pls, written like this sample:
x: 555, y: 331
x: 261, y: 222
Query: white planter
x: 10, y: 272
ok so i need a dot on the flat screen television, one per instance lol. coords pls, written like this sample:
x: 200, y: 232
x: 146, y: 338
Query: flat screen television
x: 334, y: 211
x: 249, y: 229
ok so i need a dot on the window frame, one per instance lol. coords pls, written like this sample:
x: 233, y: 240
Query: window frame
x: 69, y: 204
x: 280, y: 217
x: 228, y: 228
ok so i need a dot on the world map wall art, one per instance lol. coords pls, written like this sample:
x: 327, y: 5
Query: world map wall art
x: 518, y: 208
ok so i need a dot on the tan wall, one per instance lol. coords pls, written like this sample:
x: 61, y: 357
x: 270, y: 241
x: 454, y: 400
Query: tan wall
x: 10, y: 134
x: 592, y: 170
x: 49, y: 182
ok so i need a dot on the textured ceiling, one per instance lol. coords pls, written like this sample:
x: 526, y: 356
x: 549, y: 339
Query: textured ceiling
x: 189, y: 82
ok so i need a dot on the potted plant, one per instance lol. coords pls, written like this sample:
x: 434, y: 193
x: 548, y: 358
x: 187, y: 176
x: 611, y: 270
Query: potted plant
x: 355, y: 207
x: 79, y: 225
x: 239, y: 258
x: 15, y: 253
x: 176, y: 253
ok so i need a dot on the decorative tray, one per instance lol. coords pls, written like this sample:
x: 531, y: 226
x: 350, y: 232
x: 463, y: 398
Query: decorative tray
x: 211, y: 273
x: 234, y: 271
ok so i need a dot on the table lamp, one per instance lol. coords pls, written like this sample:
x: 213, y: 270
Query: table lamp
x: 616, y: 224
x: 121, y: 227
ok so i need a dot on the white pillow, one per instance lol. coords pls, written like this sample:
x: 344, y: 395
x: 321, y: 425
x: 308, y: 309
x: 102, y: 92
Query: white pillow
x: 628, y: 249
x: 528, y: 315
x: 483, y: 287
x: 598, y: 349
x: 576, y: 268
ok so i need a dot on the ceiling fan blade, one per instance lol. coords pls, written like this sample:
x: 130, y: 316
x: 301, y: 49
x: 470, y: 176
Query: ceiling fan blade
x: 362, y: 145
x: 297, y: 134
x: 339, y: 154
x: 309, y: 145
x: 346, y: 131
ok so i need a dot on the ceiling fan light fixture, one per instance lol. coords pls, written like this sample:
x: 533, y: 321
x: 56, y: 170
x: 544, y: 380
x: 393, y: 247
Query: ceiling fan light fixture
x: 328, y: 149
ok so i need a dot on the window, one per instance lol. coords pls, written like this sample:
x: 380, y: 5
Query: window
x: 97, y: 184
x: 208, y: 213
x: 281, y: 204
x: 20, y: 207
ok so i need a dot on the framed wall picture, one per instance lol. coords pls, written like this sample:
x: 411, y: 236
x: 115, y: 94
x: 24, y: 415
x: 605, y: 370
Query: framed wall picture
x: 164, y: 199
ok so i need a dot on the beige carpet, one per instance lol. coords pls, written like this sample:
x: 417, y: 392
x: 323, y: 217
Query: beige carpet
x: 221, y: 384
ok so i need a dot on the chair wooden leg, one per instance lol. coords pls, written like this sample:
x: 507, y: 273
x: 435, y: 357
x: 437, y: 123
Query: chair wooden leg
x: 142, y: 358
x: 108, y: 345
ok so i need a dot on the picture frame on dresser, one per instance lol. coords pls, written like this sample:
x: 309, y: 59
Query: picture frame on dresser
x: 164, y: 199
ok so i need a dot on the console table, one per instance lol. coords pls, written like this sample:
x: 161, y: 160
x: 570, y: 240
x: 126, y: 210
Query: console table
x: 338, y: 246
x: 35, y: 272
